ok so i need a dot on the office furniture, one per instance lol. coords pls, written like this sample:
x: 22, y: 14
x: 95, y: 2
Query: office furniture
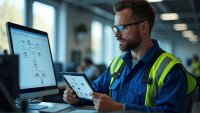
x: 81, y: 109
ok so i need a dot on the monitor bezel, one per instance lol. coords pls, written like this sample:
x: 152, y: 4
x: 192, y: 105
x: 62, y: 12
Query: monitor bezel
x: 39, y: 91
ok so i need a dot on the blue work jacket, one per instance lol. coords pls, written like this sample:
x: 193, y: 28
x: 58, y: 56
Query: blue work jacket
x: 129, y: 90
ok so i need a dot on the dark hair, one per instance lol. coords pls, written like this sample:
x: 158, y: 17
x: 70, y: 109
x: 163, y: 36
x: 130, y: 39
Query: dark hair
x: 196, y: 57
x: 140, y: 8
x: 88, y: 61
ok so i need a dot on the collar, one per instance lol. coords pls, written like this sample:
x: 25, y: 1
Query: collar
x: 146, y: 58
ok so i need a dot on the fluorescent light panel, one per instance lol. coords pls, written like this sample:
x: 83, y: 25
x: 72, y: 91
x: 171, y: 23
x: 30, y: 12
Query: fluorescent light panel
x: 154, y: 0
x: 169, y: 16
x: 187, y: 33
x: 180, y: 27
x: 193, y: 38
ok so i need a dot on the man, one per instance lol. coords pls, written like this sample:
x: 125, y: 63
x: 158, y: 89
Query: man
x: 196, y: 70
x: 90, y: 70
x: 130, y: 89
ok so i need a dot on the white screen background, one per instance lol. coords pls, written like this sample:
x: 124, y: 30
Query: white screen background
x: 35, y: 64
x: 79, y: 85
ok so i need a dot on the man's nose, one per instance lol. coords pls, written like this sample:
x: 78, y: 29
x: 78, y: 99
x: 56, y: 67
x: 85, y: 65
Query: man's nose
x: 117, y: 33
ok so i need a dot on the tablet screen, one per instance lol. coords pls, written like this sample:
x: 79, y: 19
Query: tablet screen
x: 79, y: 85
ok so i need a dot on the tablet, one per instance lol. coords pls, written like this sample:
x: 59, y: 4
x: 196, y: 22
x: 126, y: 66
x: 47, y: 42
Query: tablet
x: 79, y: 83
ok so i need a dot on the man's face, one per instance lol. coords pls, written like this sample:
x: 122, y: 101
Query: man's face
x: 130, y: 39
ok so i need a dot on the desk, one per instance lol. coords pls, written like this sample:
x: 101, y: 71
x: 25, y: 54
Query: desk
x: 73, y: 108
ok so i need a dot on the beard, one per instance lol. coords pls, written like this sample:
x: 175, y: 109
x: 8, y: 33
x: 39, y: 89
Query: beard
x: 131, y: 44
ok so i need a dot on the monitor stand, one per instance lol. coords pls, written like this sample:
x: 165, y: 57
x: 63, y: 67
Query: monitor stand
x: 33, y: 104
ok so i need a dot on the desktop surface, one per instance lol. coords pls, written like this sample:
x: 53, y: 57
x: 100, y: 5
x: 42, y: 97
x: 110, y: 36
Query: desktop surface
x: 77, y: 109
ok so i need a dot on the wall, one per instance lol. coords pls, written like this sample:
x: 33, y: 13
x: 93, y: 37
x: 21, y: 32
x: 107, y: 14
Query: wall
x: 184, y: 50
x: 76, y: 16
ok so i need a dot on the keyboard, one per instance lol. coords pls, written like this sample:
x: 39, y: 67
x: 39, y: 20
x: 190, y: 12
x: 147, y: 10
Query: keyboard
x: 55, y: 108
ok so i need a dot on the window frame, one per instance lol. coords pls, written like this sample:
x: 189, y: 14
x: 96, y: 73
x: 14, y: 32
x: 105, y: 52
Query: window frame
x: 28, y: 20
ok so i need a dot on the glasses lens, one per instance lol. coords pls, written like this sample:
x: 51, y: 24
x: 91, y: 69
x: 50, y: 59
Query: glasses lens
x: 114, y: 29
x: 121, y: 29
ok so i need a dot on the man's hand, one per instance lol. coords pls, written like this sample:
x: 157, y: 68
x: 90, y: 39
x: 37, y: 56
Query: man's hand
x: 69, y: 97
x: 104, y: 103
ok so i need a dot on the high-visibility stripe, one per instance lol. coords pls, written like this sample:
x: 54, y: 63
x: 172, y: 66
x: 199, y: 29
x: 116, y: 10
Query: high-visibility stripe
x: 158, y: 73
x: 115, y: 66
x: 161, y: 68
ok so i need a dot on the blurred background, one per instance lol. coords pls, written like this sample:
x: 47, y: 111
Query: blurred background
x: 82, y: 28
x: 176, y: 27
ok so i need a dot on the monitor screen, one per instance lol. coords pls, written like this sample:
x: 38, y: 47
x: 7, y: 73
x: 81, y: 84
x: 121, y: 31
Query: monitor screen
x: 36, y: 71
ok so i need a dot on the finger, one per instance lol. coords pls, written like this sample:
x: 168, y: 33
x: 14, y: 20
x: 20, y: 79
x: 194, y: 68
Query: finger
x: 96, y: 107
x: 95, y: 94
x: 71, y: 94
x: 69, y: 89
x: 70, y: 101
x: 94, y: 99
x: 68, y: 98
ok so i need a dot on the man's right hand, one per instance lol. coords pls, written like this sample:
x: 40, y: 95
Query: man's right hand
x: 69, y: 97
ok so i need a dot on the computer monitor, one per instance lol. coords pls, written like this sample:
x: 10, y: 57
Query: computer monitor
x: 36, y: 70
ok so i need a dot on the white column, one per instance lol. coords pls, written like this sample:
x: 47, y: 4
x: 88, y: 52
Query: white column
x: 62, y: 33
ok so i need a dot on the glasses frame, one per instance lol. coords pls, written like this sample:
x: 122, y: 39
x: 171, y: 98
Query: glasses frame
x: 117, y: 27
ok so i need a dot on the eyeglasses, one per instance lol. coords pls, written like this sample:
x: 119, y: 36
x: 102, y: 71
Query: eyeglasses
x: 121, y: 27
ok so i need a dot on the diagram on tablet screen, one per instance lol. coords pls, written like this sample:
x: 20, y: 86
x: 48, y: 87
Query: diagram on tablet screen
x: 80, y: 86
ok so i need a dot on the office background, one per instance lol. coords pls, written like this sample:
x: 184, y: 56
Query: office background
x: 60, y: 18
x: 176, y: 28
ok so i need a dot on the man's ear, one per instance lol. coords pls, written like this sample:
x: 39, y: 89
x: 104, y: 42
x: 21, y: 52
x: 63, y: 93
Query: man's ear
x: 145, y: 27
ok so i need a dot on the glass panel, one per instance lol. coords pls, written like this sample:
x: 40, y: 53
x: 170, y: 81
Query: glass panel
x: 96, y: 42
x: 10, y: 11
x: 108, y: 45
x: 43, y: 19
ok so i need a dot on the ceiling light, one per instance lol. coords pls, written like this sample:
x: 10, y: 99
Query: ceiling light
x: 169, y: 16
x: 180, y: 27
x: 187, y: 33
x: 194, y: 42
x: 193, y: 38
x: 155, y: 0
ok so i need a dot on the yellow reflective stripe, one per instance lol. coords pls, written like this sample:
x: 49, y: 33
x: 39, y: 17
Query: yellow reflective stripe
x: 112, y: 80
x: 116, y: 70
x: 150, y: 86
x: 192, y: 84
x: 119, y: 65
x: 159, y: 72
x: 167, y: 69
x: 112, y: 65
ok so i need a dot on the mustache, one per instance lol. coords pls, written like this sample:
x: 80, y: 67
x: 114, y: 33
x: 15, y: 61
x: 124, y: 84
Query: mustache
x: 119, y: 38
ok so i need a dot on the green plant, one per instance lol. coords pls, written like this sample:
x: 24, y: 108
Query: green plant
x: 81, y: 28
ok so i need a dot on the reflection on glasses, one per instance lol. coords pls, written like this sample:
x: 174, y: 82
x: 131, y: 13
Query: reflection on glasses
x: 121, y: 27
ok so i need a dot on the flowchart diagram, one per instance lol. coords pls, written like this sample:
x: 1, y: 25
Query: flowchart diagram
x: 33, y: 52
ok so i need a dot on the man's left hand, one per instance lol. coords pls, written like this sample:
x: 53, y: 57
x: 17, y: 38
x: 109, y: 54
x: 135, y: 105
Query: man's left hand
x: 104, y: 103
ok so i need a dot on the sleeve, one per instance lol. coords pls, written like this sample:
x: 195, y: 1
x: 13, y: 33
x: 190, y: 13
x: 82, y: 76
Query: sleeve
x: 100, y: 85
x: 171, y: 96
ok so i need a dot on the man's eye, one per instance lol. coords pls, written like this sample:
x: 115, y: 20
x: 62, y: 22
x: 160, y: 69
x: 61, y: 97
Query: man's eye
x: 125, y: 27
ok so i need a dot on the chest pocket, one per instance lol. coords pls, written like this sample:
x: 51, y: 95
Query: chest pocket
x: 139, y: 90
x: 115, y: 85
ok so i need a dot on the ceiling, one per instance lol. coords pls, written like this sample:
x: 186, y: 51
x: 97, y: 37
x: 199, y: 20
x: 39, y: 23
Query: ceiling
x: 188, y: 11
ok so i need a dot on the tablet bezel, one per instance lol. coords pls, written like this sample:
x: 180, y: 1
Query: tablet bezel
x: 77, y: 74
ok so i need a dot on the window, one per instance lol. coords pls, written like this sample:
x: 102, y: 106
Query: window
x: 43, y: 19
x: 108, y: 45
x: 10, y: 11
x: 96, y: 42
